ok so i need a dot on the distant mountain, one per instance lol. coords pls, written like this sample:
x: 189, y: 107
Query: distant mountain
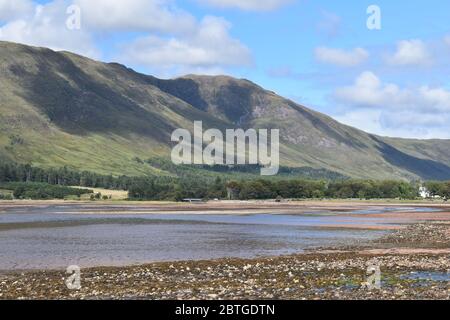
x: 60, y: 109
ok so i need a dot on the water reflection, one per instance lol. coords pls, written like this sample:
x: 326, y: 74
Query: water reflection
x: 49, y: 237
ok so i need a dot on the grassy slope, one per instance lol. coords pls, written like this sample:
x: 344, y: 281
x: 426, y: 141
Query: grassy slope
x: 313, y: 139
x: 62, y: 109
x: 99, y: 134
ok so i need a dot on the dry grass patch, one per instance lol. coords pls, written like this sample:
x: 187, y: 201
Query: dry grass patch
x: 114, y: 194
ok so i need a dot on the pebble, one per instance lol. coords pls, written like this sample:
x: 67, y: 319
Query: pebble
x: 287, y: 277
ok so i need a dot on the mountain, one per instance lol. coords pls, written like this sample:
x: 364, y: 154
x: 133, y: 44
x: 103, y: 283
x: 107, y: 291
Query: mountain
x: 61, y: 109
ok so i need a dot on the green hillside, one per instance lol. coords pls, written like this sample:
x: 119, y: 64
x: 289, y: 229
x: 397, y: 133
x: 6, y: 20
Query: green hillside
x: 60, y: 109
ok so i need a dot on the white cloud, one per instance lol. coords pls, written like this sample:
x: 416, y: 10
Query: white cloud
x: 369, y: 91
x: 169, y: 41
x: 135, y: 15
x: 250, y: 5
x: 341, y: 57
x: 410, y: 52
x: 410, y: 125
x: 45, y: 26
x: 388, y: 109
x: 11, y: 9
x: 210, y: 46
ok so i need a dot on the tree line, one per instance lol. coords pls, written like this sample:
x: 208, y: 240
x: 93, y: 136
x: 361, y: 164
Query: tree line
x: 198, y: 185
x: 10, y: 172
x: 309, y: 189
x: 272, y: 189
x: 41, y: 191
x: 169, y: 188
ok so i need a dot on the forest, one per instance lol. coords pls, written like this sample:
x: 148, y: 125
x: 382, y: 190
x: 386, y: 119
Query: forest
x: 30, y: 182
x: 40, y: 191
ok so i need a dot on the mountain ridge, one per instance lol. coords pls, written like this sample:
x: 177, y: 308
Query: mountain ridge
x: 62, y: 109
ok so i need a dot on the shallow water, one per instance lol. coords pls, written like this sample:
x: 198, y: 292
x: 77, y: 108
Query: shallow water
x: 56, y: 236
x: 428, y: 276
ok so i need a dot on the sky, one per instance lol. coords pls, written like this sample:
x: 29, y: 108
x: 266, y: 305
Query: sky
x: 381, y: 66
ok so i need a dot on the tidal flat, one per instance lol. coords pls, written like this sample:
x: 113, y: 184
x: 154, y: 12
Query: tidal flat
x: 297, y: 251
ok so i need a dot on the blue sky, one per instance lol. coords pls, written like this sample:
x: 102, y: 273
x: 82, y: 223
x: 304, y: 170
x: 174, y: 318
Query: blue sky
x: 392, y: 81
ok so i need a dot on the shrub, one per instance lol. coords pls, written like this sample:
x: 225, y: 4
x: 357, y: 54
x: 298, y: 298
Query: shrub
x: 42, y: 191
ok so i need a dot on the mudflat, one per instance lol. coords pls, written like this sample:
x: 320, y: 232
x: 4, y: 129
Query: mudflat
x: 414, y: 263
x: 228, y: 207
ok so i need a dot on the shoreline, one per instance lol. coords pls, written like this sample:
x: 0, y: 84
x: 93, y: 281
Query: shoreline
x: 333, y: 273
x: 288, y: 202
x: 406, y: 257
x: 389, y: 220
x: 228, y: 207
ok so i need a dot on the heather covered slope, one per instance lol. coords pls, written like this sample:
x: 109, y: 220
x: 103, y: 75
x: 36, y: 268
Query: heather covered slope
x: 60, y: 109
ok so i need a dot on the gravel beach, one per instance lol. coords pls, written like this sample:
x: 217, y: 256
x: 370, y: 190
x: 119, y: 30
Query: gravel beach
x: 414, y: 263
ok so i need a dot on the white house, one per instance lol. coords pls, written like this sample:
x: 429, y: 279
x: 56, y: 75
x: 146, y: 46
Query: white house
x: 424, y: 193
